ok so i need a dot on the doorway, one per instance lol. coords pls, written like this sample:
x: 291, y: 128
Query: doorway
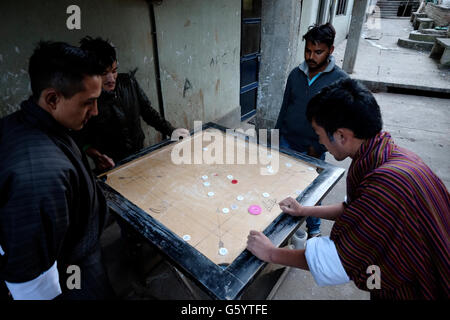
x: 250, y: 56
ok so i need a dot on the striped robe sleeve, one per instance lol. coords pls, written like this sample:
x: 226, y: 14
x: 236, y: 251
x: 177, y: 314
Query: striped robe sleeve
x: 384, y: 226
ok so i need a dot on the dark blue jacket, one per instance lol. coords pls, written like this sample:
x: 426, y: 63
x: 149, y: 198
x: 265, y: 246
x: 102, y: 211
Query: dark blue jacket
x: 51, y: 208
x: 292, y: 122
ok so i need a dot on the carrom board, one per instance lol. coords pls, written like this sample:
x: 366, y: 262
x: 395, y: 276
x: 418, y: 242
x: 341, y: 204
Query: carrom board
x: 206, y: 193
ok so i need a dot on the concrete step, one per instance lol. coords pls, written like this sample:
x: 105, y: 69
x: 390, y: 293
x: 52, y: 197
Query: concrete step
x: 416, y: 15
x: 395, y: 4
x: 427, y: 37
x: 423, y: 23
x: 441, y: 33
x: 416, y: 45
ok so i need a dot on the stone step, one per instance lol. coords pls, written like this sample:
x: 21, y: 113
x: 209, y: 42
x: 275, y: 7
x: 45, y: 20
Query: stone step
x: 441, y: 33
x: 427, y: 37
x: 414, y: 44
x: 423, y: 23
x: 416, y: 15
x: 441, y: 51
x: 395, y: 5
x: 393, y: 8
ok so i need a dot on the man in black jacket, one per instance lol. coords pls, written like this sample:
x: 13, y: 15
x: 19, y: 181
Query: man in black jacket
x: 116, y: 132
x: 52, y: 212
x: 316, y: 72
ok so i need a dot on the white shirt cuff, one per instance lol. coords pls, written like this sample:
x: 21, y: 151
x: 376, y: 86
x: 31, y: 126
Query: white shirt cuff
x: 324, y: 263
x: 44, y: 287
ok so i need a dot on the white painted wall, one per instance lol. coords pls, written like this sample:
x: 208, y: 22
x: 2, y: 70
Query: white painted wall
x: 342, y: 23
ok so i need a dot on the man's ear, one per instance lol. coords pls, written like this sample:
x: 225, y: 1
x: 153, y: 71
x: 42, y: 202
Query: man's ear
x: 50, y: 99
x: 331, y: 49
x: 340, y: 135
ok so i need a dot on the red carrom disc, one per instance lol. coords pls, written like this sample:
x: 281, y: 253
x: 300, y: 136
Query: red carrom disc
x: 234, y: 181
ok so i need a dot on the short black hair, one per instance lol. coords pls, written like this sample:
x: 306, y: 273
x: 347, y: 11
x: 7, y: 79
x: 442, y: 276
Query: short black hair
x: 346, y: 104
x: 61, y: 66
x: 102, y: 49
x: 324, y: 33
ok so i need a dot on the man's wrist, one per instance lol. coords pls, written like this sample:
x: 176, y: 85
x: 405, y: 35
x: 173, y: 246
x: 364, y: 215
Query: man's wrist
x: 273, y: 253
x: 93, y: 153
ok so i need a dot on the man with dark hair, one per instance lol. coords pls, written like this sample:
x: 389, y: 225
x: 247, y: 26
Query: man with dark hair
x: 51, y: 210
x: 116, y: 132
x: 391, y: 235
x: 317, y: 71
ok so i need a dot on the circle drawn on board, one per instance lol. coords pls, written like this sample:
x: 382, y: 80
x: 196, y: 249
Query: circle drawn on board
x: 234, y: 181
x: 186, y: 237
x: 204, y: 177
x: 223, y: 251
x: 210, y: 194
x: 265, y: 195
x: 225, y: 210
x: 240, y: 198
x: 254, y: 209
x: 206, y: 184
x: 230, y: 177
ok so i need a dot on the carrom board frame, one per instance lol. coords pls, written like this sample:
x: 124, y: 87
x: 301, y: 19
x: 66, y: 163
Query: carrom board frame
x: 219, y: 282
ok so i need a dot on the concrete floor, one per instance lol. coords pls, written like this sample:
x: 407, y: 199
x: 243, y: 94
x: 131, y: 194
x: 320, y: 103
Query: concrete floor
x: 421, y: 124
x: 381, y: 60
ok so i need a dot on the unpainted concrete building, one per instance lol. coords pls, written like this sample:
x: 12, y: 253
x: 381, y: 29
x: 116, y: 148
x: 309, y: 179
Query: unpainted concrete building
x: 189, y: 53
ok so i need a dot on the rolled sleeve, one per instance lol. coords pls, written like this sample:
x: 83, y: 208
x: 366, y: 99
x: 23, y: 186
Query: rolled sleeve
x: 44, y: 287
x: 324, y: 262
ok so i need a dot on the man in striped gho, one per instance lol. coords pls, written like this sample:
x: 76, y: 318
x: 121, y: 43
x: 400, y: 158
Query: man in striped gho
x: 391, y: 235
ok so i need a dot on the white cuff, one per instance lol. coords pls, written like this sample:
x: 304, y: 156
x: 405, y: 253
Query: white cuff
x: 44, y: 287
x: 324, y: 263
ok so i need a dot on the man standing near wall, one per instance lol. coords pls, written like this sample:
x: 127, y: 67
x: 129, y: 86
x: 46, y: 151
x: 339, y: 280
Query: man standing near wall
x: 52, y: 212
x: 316, y: 72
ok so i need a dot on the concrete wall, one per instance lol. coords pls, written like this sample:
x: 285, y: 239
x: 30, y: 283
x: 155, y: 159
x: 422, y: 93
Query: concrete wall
x: 24, y: 23
x: 199, y: 52
x: 280, y: 37
x: 439, y: 13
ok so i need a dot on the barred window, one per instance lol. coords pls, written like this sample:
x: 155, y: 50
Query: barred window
x: 341, y: 7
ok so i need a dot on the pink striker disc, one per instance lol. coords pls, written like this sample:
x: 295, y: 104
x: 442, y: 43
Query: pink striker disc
x: 254, y: 209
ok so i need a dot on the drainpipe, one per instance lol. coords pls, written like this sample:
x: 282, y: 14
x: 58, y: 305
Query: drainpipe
x: 151, y: 4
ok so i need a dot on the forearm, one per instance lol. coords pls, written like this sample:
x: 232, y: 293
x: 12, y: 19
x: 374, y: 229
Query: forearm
x: 329, y: 212
x: 289, y: 257
x: 92, y: 152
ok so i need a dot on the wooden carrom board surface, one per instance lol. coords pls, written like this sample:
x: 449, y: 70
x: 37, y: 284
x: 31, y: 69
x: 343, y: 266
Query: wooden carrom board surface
x: 176, y: 194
